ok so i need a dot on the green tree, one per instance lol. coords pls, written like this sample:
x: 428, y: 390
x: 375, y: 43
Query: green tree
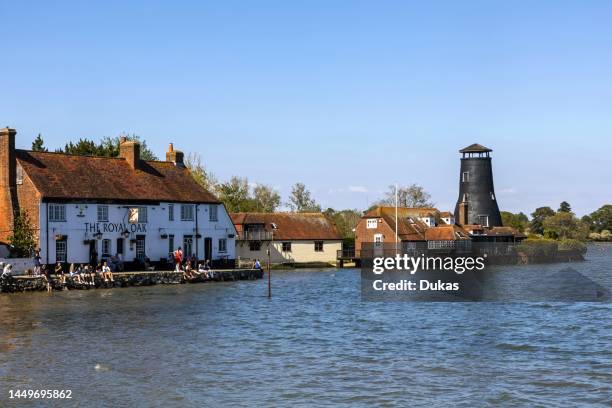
x: 301, y: 201
x: 565, y: 207
x: 23, y: 238
x: 235, y: 195
x: 518, y: 221
x: 38, y: 145
x: 206, y: 179
x: 537, y: 219
x: 107, y: 147
x: 265, y: 198
x: 601, y: 219
x: 564, y: 225
x: 411, y: 196
x: 346, y: 221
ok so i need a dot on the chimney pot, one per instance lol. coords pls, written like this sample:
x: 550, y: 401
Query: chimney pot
x: 175, y: 156
x: 171, y: 147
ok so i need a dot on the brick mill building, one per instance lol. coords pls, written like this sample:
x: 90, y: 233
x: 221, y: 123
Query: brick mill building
x: 85, y: 207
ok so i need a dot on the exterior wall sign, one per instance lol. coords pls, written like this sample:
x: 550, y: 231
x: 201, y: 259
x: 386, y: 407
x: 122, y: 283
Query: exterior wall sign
x: 114, y: 227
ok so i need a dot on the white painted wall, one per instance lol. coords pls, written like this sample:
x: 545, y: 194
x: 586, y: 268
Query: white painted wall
x: 301, y: 252
x: 158, y: 223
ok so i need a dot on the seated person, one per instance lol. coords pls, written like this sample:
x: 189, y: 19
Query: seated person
x: 59, y: 272
x: 107, y: 274
x: 188, y: 273
x: 74, y: 274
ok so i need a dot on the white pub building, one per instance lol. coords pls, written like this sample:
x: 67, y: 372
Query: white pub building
x: 86, y: 209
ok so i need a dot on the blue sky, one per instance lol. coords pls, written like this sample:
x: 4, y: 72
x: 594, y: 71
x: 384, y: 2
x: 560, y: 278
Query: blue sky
x: 345, y: 96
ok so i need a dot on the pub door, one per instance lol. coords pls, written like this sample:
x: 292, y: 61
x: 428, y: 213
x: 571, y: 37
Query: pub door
x: 208, y: 249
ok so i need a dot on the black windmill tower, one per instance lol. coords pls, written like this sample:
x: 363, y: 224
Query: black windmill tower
x: 477, y: 203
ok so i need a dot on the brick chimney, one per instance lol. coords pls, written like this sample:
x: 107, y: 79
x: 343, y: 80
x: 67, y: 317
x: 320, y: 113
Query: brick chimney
x: 8, y: 185
x: 130, y: 151
x: 175, y: 156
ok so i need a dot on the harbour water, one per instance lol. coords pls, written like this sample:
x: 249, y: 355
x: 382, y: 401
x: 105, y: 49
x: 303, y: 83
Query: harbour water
x: 315, y: 343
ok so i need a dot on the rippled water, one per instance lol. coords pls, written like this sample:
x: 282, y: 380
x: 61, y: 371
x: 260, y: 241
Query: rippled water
x: 313, y: 344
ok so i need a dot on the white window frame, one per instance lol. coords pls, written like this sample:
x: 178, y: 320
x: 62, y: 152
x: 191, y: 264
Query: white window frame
x: 378, y: 238
x: 486, y: 217
x: 372, y: 223
x: 213, y: 213
x: 465, y: 176
x: 142, y: 215
x: 286, y: 246
x: 57, y: 213
x: 102, y: 213
x: 170, y: 212
x: 223, y: 245
x: 187, y: 212
x: 63, y: 252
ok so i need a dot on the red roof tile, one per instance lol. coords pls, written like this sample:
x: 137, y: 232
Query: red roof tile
x: 291, y: 226
x: 67, y: 177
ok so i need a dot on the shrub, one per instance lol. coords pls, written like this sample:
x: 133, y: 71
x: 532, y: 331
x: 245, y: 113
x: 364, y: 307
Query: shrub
x: 538, y: 248
x: 572, y: 245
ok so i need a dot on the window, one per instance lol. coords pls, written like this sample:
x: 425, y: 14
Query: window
x: 61, y: 250
x: 492, y: 196
x: 187, y: 245
x: 142, y: 215
x: 186, y: 212
x: 286, y: 246
x: 222, y: 245
x: 102, y: 213
x: 465, y: 197
x: 170, y: 212
x: 465, y: 176
x: 57, y: 212
x: 106, y: 247
x: 378, y: 238
x: 254, y: 245
x: 170, y: 244
x: 372, y: 223
x: 483, y: 220
x: 318, y: 246
x: 212, y: 213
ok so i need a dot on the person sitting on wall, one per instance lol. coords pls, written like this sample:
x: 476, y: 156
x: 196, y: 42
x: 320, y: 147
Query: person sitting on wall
x: 90, y: 274
x: 147, y: 264
x: 59, y: 272
x: 74, y: 274
x: 257, y: 265
x: 208, y: 269
x: 107, y: 274
x: 188, y: 274
x: 7, y: 273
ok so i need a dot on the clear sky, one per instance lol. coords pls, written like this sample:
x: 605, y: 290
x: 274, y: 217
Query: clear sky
x: 345, y: 96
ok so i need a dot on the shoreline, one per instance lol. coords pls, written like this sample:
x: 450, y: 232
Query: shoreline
x: 20, y: 284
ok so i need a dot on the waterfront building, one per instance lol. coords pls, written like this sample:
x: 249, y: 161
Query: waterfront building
x: 292, y: 238
x: 447, y: 217
x: 85, y: 208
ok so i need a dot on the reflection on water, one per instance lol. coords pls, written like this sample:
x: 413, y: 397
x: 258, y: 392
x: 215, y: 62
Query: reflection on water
x: 313, y: 343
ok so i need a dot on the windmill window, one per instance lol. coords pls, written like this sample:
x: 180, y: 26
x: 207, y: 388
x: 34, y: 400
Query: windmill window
x: 465, y: 176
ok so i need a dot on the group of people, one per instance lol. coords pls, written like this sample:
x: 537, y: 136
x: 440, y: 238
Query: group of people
x: 190, y: 266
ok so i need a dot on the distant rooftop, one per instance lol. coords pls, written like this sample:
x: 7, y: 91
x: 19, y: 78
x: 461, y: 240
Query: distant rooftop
x: 475, y: 148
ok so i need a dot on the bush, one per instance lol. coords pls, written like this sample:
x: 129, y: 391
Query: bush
x: 572, y: 245
x: 538, y: 248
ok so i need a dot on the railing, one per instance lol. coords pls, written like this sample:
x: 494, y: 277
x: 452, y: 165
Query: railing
x: 257, y: 235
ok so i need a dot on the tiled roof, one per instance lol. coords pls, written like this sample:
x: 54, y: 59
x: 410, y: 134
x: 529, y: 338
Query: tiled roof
x: 447, y: 214
x: 401, y: 212
x: 66, y: 177
x: 446, y: 233
x: 291, y: 226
